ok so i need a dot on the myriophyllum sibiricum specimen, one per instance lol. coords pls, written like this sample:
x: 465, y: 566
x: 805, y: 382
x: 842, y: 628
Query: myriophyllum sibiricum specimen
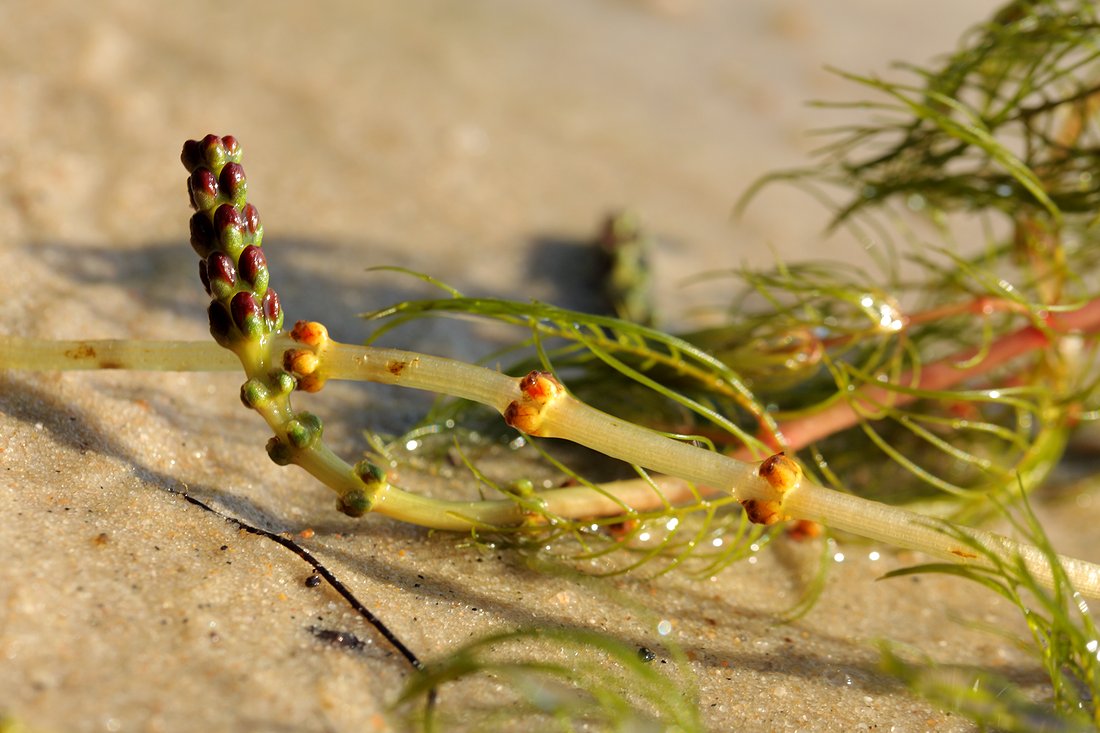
x: 246, y: 318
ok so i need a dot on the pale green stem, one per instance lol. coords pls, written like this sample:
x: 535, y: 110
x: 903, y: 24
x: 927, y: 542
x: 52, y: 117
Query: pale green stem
x: 160, y: 356
x: 565, y: 418
x: 903, y: 528
x: 573, y: 420
x: 420, y: 371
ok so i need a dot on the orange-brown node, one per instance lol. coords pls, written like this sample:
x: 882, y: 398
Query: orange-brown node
x: 781, y: 472
x: 621, y: 531
x: 532, y: 519
x: 540, y: 386
x: 311, y: 382
x: 310, y: 333
x: 305, y: 366
x: 804, y: 529
x: 524, y: 416
x: 763, y: 512
x: 300, y: 362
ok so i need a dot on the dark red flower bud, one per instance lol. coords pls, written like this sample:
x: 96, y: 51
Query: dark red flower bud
x: 273, y: 311
x: 227, y: 217
x: 202, y: 235
x: 247, y: 314
x: 213, y: 152
x: 253, y: 268
x: 203, y: 187
x: 251, y: 218
x: 232, y: 148
x: 222, y: 275
x: 221, y: 327
x: 191, y: 156
x: 204, y: 277
x: 233, y: 183
x: 228, y: 226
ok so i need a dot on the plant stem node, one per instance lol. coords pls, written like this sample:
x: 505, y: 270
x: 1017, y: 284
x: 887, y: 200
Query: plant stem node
x: 304, y: 430
x: 355, y: 503
x: 310, y: 333
x: 782, y: 474
x: 537, y: 390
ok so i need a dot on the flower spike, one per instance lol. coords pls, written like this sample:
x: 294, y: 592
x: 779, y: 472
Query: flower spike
x: 227, y: 235
x: 245, y: 315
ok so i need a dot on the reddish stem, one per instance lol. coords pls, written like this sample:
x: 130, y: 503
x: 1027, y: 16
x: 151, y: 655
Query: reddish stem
x: 798, y: 433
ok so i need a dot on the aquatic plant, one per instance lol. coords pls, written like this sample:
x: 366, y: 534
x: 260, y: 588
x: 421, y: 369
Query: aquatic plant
x: 895, y: 405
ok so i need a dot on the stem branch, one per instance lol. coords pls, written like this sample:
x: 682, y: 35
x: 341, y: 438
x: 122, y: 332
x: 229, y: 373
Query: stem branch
x: 539, y: 405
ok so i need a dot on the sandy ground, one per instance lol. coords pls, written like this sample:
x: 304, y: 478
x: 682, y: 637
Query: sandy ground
x: 481, y: 142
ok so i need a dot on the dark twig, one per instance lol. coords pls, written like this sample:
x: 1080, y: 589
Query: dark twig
x: 325, y: 573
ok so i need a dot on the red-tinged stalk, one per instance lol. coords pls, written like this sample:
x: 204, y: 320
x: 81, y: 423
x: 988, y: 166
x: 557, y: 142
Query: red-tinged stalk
x: 942, y: 374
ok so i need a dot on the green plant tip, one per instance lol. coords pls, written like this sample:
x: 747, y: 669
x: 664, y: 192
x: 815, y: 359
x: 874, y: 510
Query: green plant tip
x: 279, y: 452
x: 370, y: 473
x: 522, y: 487
x: 254, y: 394
x: 283, y: 382
x: 355, y: 503
x: 304, y: 429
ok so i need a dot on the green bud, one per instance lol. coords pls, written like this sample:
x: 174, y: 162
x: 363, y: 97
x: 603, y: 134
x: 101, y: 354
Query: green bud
x: 283, y: 381
x: 370, y: 473
x: 279, y: 452
x: 254, y: 394
x: 522, y: 487
x: 355, y: 503
x: 304, y: 429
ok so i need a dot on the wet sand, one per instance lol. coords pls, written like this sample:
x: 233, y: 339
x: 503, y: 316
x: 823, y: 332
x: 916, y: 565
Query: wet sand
x: 481, y: 143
